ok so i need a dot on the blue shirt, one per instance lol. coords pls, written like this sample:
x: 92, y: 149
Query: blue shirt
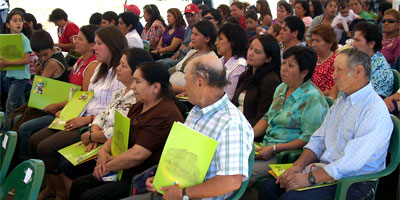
x: 22, y: 74
x: 354, y: 137
x: 381, y: 76
x: 297, y: 117
x: 224, y: 122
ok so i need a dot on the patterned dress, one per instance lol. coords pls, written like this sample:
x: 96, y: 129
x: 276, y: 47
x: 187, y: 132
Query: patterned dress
x: 322, y: 76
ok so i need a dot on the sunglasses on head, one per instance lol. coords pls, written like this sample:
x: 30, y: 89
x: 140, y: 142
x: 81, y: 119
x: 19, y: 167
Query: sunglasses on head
x: 208, y: 18
x: 391, y: 21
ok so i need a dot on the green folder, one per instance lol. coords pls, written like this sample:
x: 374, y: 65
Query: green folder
x: 75, y: 107
x: 76, y: 154
x: 121, y: 136
x: 12, y: 48
x: 185, y: 159
x: 47, y: 91
x: 278, y: 169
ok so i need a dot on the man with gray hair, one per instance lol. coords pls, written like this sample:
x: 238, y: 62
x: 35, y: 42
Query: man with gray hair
x: 214, y: 116
x: 353, y: 139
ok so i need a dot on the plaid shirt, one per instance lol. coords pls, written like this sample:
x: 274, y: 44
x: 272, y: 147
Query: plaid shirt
x: 224, y: 122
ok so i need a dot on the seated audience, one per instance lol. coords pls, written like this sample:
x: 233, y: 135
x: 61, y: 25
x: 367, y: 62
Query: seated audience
x: 214, y: 116
x: 252, y: 24
x: 274, y: 30
x: 109, y: 43
x: 382, y: 7
x: 237, y: 10
x: 173, y: 34
x: 225, y: 12
x: 127, y: 24
x: 66, y: 29
x: 214, y: 16
x: 265, y: 13
x: 154, y: 27
x: 327, y: 17
x: 95, y: 19
x: 152, y: 118
x: 203, y: 39
x: 391, y: 36
x: 368, y: 38
x: 292, y: 33
x: 324, y: 43
x: 232, y: 45
x: 102, y: 127
x: 297, y: 111
x: 357, y: 8
x: 315, y: 8
x: 302, y: 11
x: 343, y: 20
x: 346, y: 144
x: 256, y: 86
x: 135, y: 10
x: 109, y: 18
x: 284, y: 9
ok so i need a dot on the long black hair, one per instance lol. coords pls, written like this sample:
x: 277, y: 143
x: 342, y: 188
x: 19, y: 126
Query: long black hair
x: 154, y: 13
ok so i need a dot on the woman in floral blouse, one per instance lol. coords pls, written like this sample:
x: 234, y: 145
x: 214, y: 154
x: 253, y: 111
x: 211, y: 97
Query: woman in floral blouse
x: 154, y: 27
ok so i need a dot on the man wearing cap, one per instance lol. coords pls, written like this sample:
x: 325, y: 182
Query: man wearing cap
x: 133, y: 8
x: 192, y: 17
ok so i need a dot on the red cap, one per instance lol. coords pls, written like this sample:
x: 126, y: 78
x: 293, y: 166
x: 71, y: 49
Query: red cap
x: 192, y: 8
x: 133, y: 8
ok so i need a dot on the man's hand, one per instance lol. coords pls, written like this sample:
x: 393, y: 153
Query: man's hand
x: 284, y: 178
x: 172, y: 192
x: 175, y: 56
x: 265, y: 153
x: 391, y: 100
x: 298, y: 180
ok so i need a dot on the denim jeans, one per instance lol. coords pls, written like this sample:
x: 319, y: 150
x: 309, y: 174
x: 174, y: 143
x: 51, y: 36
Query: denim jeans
x: 15, y: 99
x: 27, y: 129
x: 271, y: 191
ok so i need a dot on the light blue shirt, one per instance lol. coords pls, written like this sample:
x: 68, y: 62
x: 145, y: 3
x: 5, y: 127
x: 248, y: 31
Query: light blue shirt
x: 22, y: 74
x: 224, y: 122
x: 354, y: 137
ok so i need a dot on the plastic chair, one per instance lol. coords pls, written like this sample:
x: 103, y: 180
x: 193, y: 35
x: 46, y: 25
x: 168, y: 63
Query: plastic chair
x: 238, y: 193
x: 396, y: 81
x: 6, y: 151
x: 394, y: 153
x: 146, y: 45
x: 330, y: 101
x: 26, y: 178
x: 1, y: 118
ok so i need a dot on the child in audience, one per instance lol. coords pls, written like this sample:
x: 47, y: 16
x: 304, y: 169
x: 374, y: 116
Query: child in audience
x: 17, y: 79
x: 341, y: 22
x: 274, y: 30
x: 250, y: 19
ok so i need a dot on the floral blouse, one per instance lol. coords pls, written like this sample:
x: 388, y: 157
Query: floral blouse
x: 153, y: 33
x: 322, y: 76
x: 122, y: 103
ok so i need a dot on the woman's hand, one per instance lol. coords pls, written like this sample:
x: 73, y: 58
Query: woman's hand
x: 75, y: 123
x: 51, y: 109
x: 90, y: 146
x: 149, y: 184
x: 3, y: 63
x: 100, y: 170
x: 265, y: 153
x: 391, y: 100
x: 85, y: 138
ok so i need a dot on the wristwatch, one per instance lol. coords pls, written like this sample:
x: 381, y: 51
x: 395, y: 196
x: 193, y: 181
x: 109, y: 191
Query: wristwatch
x: 311, y: 178
x: 184, y: 195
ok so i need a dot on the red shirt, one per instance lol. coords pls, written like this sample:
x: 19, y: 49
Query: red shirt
x: 76, y: 75
x: 66, y: 33
x: 242, y: 23
x: 322, y: 76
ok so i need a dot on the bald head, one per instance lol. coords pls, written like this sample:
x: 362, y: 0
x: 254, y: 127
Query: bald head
x: 209, y: 68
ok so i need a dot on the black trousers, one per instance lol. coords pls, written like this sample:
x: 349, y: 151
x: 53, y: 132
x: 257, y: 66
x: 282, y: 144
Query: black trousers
x: 88, y: 188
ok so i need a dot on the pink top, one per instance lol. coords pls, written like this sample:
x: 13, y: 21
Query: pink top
x: 390, y: 48
x: 78, y: 70
x: 322, y: 76
x: 307, y: 21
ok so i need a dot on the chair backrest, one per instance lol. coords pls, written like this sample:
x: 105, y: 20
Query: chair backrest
x: 26, y: 178
x: 146, y: 45
x: 330, y: 101
x: 394, y: 147
x: 396, y: 81
x: 8, y: 141
x: 238, y: 193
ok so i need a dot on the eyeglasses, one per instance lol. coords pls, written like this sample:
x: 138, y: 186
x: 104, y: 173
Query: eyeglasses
x: 208, y: 18
x: 391, y: 21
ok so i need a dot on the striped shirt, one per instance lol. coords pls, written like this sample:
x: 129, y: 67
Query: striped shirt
x: 103, y: 92
x: 354, y: 137
x: 223, y: 122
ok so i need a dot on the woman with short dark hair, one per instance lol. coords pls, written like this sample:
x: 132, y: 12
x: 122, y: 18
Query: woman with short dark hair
x: 127, y: 23
x: 66, y: 29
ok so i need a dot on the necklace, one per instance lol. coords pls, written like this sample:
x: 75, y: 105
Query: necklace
x: 322, y: 60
